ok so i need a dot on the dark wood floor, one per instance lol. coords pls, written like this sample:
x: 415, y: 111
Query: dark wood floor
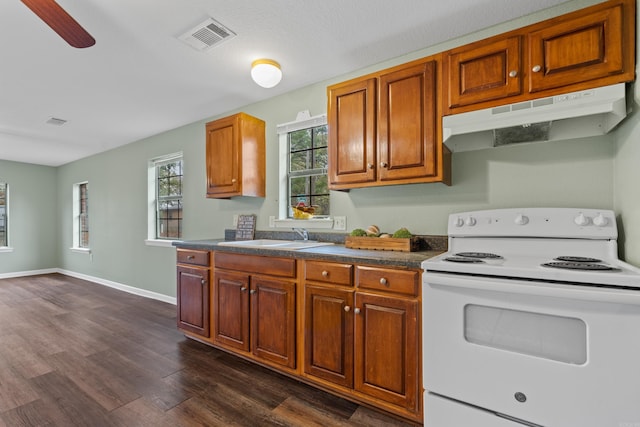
x: 73, y: 353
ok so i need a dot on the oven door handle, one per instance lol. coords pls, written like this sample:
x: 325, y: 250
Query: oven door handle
x: 554, y: 290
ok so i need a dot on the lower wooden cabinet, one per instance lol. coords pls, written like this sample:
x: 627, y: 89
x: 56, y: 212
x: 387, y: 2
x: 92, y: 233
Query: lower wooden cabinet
x: 328, y: 339
x: 254, y: 313
x: 367, y: 337
x: 354, y: 328
x: 387, y: 348
x: 193, y: 289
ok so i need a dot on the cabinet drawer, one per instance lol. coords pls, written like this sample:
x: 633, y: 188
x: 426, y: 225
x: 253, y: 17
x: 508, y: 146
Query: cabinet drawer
x: 192, y: 256
x: 384, y: 279
x: 254, y: 264
x: 338, y: 274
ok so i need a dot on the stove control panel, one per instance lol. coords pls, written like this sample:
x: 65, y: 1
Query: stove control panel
x: 535, y: 222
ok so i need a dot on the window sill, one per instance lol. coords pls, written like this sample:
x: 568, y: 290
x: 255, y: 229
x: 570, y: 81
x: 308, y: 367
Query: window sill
x: 323, y: 223
x: 160, y: 243
x: 6, y: 249
x: 81, y: 250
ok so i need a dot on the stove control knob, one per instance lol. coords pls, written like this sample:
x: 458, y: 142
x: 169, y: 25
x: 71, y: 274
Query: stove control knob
x: 600, y: 220
x: 521, y: 220
x: 459, y: 222
x: 582, y: 220
x: 471, y: 221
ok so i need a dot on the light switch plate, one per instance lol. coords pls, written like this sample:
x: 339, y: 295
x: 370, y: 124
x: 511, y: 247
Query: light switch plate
x: 339, y: 222
x: 235, y: 220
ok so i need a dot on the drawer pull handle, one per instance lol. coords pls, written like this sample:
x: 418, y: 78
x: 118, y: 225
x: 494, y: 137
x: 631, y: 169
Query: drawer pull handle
x: 190, y: 257
x: 347, y: 308
x: 536, y: 68
x: 356, y: 310
x: 384, y: 281
x: 243, y: 289
x: 325, y: 273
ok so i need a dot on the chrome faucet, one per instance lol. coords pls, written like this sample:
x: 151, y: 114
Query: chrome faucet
x: 302, y: 232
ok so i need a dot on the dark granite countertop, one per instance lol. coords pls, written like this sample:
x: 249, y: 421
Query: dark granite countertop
x: 337, y: 252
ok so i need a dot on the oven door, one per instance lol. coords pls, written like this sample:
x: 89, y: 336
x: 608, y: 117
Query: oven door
x: 544, y: 353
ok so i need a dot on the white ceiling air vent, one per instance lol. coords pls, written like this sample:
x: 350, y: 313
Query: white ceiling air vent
x: 55, y: 121
x: 207, y: 35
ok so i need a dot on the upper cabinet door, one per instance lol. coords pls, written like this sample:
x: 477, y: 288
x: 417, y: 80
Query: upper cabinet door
x: 484, y: 71
x: 407, y: 123
x: 585, y: 48
x: 223, y: 157
x: 352, y: 132
x: 236, y: 157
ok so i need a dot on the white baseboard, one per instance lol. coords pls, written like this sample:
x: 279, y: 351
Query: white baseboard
x: 29, y: 273
x: 98, y: 280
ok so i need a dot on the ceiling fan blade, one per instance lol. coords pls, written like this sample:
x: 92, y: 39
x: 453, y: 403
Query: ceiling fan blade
x: 61, y: 22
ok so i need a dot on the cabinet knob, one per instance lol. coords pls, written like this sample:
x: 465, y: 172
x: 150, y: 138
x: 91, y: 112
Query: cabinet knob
x: 233, y: 180
x: 190, y: 257
x: 325, y: 273
x: 243, y: 289
x: 370, y: 165
x: 384, y: 281
x: 252, y: 291
x: 347, y: 308
x: 202, y: 281
x: 356, y: 310
x: 383, y: 164
x: 513, y: 73
x: 536, y: 68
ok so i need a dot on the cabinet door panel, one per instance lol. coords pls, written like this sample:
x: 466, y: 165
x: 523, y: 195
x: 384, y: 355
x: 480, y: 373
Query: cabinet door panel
x: 353, y: 135
x: 484, y: 71
x: 231, y: 300
x: 193, y: 300
x: 407, y: 123
x: 223, y: 157
x: 386, y: 349
x: 329, y: 334
x: 579, y: 50
x: 273, y: 320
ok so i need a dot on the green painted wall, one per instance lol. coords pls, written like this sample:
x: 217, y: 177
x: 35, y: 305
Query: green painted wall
x: 33, y: 216
x: 593, y: 173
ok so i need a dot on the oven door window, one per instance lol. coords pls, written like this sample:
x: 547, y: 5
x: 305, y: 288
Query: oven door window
x: 563, y: 339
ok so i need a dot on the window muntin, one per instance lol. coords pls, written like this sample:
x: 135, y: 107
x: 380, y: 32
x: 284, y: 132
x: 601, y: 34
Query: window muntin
x: 4, y: 221
x: 307, y: 169
x: 168, y: 186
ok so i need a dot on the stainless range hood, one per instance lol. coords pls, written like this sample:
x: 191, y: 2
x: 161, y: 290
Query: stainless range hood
x: 568, y: 116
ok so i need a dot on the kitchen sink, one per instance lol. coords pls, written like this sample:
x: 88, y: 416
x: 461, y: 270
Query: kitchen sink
x: 290, y: 245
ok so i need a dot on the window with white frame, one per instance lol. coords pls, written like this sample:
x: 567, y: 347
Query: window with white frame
x: 303, y: 166
x: 165, y: 191
x: 81, y: 215
x: 4, y: 213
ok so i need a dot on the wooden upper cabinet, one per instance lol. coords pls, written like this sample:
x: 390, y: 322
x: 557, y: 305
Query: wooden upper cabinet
x: 352, y: 132
x: 581, y: 50
x: 484, y: 71
x: 407, y: 123
x: 585, y: 48
x: 383, y: 129
x: 235, y: 157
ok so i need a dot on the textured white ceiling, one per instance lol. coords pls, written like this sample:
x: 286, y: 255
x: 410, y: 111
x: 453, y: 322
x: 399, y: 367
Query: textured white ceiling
x: 139, y: 80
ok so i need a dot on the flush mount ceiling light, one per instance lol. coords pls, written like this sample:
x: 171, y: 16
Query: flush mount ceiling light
x: 266, y: 72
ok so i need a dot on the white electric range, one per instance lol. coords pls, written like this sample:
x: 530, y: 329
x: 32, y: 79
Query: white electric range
x: 531, y: 319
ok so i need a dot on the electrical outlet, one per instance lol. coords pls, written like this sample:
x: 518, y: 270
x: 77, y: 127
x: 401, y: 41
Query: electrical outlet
x: 272, y: 221
x: 235, y: 220
x: 339, y: 222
